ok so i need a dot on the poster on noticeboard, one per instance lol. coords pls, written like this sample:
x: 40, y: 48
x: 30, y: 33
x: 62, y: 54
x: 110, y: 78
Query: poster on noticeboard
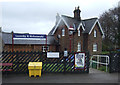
x: 79, y: 60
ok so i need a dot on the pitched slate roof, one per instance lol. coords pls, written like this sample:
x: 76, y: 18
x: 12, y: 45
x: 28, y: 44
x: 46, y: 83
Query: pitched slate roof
x: 72, y: 22
x: 7, y: 39
x: 51, y: 32
x: 88, y: 24
x: 1, y: 40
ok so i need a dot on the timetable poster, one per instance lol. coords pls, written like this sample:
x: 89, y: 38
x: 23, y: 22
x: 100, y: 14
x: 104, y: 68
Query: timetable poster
x: 79, y: 60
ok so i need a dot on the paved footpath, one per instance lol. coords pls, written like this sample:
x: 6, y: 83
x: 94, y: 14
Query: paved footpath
x: 94, y: 76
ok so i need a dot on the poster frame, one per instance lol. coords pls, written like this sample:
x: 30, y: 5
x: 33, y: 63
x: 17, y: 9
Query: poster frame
x: 84, y: 61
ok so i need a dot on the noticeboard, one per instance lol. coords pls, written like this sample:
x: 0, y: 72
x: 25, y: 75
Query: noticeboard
x: 79, y: 60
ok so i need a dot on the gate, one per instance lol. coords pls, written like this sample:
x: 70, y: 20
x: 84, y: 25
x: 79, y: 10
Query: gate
x: 99, y: 60
x: 114, y: 62
x: 20, y: 62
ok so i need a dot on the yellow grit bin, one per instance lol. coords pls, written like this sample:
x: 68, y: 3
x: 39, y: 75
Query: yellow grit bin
x: 35, y: 69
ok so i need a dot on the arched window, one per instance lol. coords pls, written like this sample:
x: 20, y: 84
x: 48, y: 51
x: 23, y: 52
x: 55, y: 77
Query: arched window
x: 78, y: 32
x: 95, y: 33
x: 63, y: 32
x: 79, y: 47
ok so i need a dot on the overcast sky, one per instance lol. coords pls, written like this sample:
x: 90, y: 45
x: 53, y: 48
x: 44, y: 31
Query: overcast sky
x: 38, y: 16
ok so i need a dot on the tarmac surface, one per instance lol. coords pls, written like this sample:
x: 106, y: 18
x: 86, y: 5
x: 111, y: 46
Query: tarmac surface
x: 94, y: 76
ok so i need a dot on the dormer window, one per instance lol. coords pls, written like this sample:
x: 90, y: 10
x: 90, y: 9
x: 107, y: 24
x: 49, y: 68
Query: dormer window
x: 63, y: 32
x: 78, y: 32
x: 95, y: 33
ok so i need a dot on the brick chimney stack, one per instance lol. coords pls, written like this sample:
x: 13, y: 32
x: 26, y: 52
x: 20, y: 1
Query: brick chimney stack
x: 77, y: 13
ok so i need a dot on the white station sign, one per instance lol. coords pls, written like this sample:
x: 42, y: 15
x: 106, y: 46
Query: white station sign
x: 52, y: 54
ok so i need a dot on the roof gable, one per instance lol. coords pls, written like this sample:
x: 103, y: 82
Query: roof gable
x: 81, y: 25
x: 88, y: 24
x: 55, y: 27
x: 98, y: 25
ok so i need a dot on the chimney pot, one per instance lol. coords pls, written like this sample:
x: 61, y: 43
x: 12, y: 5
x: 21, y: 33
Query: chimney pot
x: 77, y: 13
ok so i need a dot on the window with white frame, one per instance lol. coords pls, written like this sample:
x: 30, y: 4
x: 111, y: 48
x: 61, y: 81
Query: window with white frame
x: 79, y: 47
x: 63, y: 32
x: 78, y: 32
x: 95, y: 33
x: 95, y: 47
x: 45, y: 48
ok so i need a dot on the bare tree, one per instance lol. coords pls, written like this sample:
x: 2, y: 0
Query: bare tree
x: 110, y: 23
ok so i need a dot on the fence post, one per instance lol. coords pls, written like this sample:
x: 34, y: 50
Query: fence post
x: 87, y: 54
x: 119, y: 64
x: 106, y: 64
x: 110, y: 69
x: 65, y: 56
x: 64, y: 64
x: 97, y: 61
x: 1, y: 49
